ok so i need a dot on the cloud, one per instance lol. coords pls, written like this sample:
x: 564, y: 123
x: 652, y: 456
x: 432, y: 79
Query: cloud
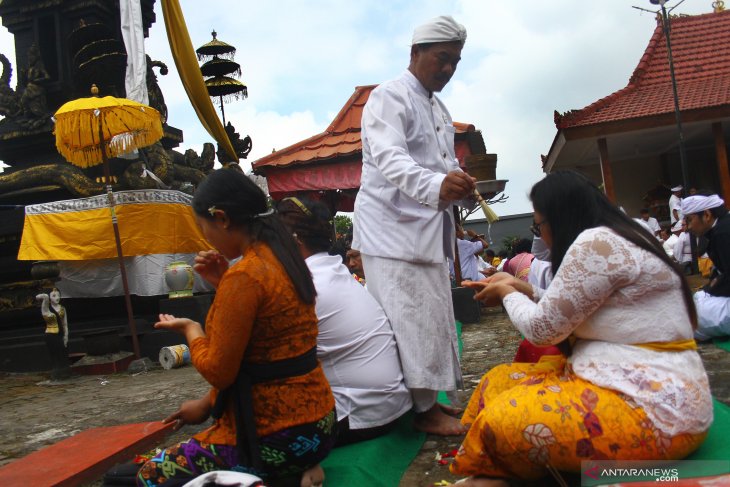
x: 269, y: 130
x: 302, y: 60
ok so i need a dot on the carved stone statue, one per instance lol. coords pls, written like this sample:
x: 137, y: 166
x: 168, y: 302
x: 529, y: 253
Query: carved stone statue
x: 241, y: 146
x: 33, y: 104
x: 25, y: 109
x: 170, y: 168
x: 9, y: 103
x: 156, y: 99
x: 204, y: 162
x: 54, y: 314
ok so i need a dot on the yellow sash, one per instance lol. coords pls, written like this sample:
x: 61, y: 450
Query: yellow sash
x: 675, y: 346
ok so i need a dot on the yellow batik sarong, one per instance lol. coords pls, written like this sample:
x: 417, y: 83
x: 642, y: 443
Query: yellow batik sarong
x: 526, y: 417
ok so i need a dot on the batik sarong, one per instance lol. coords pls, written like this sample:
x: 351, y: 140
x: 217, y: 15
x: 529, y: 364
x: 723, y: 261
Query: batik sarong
x: 288, y: 452
x: 528, y: 417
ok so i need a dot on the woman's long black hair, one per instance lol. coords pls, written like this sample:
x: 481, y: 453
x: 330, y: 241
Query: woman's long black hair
x: 571, y: 204
x: 311, y: 222
x: 243, y: 202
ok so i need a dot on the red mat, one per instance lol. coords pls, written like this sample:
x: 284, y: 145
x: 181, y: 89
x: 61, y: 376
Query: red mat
x: 83, y: 457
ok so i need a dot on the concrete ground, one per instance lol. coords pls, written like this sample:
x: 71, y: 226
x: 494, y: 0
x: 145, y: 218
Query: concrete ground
x: 35, y: 413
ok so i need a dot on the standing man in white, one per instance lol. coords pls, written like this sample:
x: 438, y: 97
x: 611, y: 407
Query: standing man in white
x: 675, y: 204
x: 403, y: 222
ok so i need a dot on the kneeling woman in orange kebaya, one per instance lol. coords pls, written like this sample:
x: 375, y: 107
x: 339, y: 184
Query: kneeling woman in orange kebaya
x: 273, y: 408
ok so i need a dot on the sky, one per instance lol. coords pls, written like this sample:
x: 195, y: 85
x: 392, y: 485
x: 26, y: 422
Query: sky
x: 522, y: 60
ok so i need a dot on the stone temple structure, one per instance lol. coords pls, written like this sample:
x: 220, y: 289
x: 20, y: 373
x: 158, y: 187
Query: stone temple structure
x: 62, y: 47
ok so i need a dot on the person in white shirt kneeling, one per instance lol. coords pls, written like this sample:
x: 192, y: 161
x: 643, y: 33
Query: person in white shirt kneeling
x: 355, y: 344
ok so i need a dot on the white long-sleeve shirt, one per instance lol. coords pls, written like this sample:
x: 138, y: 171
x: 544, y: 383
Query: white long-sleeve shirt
x: 407, y: 149
x: 683, y: 248
x: 675, y: 203
x: 668, y: 244
x: 611, y: 294
x: 468, y: 260
x: 356, y: 347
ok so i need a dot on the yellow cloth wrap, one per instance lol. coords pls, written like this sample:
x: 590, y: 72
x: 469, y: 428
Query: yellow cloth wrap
x: 150, y: 222
x: 675, y: 346
x: 52, y: 325
x: 526, y: 416
x: 190, y: 75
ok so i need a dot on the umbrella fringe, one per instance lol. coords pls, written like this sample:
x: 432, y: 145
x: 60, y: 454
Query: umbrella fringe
x: 119, y: 137
x: 243, y: 94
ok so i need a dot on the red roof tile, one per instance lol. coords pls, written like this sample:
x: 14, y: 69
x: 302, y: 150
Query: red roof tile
x: 701, y: 55
x: 341, y: 138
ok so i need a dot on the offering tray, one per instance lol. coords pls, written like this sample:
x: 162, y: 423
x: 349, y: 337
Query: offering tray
x: 490, y: 189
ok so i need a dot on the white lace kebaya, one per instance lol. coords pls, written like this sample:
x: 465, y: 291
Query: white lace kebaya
x: 610, y: 294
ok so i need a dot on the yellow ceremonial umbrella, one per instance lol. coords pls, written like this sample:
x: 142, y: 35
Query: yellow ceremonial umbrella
x: 89, y: 131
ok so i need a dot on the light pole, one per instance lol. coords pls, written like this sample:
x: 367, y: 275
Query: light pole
x: 677, y: 113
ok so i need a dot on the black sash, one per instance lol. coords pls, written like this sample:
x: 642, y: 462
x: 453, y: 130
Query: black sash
x: 240, y: 392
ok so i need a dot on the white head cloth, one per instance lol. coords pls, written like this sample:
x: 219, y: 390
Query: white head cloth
x: 676, y: 188
x: 439, y: 29
x: 699, y: 203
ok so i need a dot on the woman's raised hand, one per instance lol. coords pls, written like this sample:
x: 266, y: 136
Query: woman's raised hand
x: 493, y: 289
x: 484, y: 293
x: 184, y: 326
x: 500, y: 277
x: 211, y: 266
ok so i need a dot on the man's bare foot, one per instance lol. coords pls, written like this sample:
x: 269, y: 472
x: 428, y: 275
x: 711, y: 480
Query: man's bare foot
x: 314, y: 477
x: 451, y: 411
x: 481, y: 482
x: 436, y: 422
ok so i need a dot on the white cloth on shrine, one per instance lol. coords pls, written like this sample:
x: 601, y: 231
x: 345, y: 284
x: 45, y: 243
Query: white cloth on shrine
x: 135, y: 80
x: 100, y: 278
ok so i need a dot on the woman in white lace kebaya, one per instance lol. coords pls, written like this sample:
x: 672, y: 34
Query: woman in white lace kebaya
x: 632, y: 386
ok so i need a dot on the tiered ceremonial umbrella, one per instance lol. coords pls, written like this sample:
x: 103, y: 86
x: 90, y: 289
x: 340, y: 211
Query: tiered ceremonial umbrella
x: 89, y: 131
x: 222, y: 71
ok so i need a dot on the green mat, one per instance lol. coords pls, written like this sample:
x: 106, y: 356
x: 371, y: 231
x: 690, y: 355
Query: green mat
x: 716, y: 445
x: 382, y: 461
x: 722, y: 342
x: 378, y: 462
x: 442, y: 398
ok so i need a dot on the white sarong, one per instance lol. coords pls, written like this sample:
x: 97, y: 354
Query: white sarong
x: 416, y: 298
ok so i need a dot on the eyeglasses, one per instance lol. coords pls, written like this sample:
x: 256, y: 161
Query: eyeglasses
x: 535, y: 228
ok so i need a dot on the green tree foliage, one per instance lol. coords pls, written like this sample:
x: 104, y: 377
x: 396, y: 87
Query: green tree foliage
x: 508, y: 242
x: 343, y: 225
